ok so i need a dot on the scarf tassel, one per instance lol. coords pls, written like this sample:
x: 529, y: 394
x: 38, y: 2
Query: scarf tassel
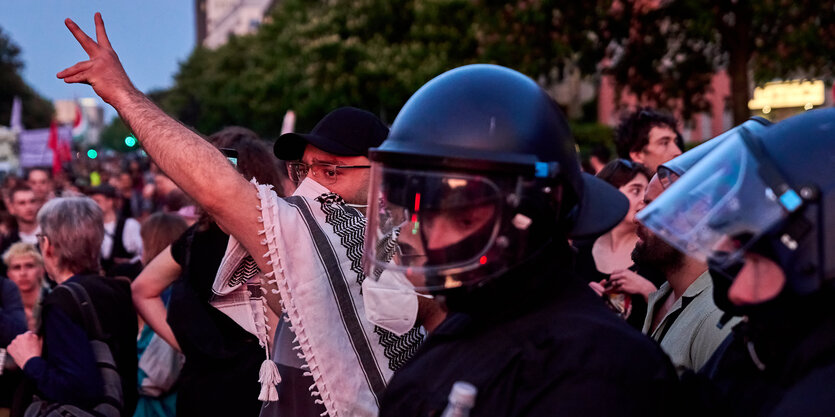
x: 268, y: 377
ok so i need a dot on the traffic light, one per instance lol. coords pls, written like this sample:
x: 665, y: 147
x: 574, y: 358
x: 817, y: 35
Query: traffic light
x: 130, y: 141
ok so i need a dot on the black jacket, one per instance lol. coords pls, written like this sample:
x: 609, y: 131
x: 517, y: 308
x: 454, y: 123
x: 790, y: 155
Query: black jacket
x: 798, y: 378
x: 538, y: 344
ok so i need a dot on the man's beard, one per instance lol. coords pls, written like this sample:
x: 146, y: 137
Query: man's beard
x: 654, y: 252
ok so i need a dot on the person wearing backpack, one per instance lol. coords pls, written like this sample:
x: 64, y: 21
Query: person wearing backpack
x: 88, y: 326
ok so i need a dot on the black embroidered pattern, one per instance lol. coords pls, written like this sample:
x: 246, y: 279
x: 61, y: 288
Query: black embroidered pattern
x: 246, y: 270
x: 349, y: 225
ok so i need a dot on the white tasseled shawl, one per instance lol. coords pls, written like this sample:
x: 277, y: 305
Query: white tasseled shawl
x: 314, y: 244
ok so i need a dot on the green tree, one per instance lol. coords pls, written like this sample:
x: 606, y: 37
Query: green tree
x: 315, y: 56
x: 668, y: 54
x: 543, y: 38
x: 37, y: 111
x: 113, y: 135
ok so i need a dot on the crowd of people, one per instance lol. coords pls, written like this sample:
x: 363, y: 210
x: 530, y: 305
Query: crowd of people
x: 458, y: 262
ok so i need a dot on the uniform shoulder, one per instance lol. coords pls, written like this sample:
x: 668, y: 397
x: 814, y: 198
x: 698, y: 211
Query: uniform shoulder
x: 811, y: 396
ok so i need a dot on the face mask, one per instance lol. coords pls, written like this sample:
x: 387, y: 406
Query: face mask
x: 310, y: 188
x: 391, y: 302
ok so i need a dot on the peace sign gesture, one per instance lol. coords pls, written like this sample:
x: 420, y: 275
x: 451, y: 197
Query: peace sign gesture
x: 102, y: 71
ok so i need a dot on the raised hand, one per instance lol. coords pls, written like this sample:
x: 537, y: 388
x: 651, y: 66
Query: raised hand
x: 628, y: 282
x: 102, y: 71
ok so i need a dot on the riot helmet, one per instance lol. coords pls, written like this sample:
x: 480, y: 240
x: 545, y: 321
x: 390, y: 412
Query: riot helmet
x: 671, y: 170
x: 479, y: 172
x: 766, y: 191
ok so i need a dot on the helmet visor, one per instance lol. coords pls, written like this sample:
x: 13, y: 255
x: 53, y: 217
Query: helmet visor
x: 429, y: 225
x: 719, y: 207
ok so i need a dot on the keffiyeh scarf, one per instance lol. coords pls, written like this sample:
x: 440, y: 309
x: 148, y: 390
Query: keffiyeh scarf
x: 314, y: 245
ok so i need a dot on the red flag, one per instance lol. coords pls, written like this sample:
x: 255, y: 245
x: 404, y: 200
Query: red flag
x: 53, y: 144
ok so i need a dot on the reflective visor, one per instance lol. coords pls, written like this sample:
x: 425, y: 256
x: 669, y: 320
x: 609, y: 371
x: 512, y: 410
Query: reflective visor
x: 429, y: 225
x: 719, y: 207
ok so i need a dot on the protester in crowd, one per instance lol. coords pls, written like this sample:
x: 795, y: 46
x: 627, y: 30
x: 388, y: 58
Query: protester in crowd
x: 607, y: 261
x: 24, y: 208
x: 26, y: 270
x: 329, y: 164
x: 163, y: 191
x: 12, y: 323
x: 222, y: 359
x: 682, y: 316
x: 132, y: 204
x: 261, y: 222
x: 475, y: 202
x: 648, y: 137
x: 40, y: 181
x: 60, y: 359
x: 122, y: 240
x: 758, y: 209
x: 159, y: 231
x: 10, y: 182
x: 160, y: 369
x: 598, y: 158
x: 12, y: 315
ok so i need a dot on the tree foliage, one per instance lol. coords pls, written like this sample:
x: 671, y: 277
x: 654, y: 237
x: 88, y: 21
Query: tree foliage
x: 670, y: 52
x: 113, y: 135
x: 316, y: 56
x: 37, y: 111
x: 542, y: 38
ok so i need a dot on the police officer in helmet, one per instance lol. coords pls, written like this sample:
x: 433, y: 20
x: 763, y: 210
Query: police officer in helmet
x: 473, y: 197
x: 765, y: 221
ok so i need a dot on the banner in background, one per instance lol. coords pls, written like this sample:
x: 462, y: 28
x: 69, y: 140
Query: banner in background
x: 34, y: 146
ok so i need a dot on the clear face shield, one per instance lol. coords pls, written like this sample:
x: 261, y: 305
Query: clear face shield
x: 432, y: 227
x: 723, y: 204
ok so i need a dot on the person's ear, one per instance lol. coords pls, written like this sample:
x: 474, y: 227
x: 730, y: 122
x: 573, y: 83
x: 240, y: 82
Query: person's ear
x: 46, y: 247
x: 636, y: 156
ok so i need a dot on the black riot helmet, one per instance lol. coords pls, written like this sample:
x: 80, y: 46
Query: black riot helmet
x: 771, y: 192
x: 478, y: 172
x: 671, y: 170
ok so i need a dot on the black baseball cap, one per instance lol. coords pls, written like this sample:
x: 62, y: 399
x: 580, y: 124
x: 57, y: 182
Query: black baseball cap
x: 346, y: 131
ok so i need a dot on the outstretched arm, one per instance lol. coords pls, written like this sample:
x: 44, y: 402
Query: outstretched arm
x: 191, y: 162
x: 147, y: 289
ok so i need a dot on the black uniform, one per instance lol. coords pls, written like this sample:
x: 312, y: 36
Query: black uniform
x: 537, y: 343
x: 798, y: 354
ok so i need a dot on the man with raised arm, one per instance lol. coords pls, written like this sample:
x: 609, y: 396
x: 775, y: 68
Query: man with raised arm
x: 348, y: 357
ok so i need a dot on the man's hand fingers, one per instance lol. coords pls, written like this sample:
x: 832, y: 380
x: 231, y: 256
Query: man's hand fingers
x: 81, y: 77
x: 75, y: 69
x: 86, y: 42
x: 101, y: 34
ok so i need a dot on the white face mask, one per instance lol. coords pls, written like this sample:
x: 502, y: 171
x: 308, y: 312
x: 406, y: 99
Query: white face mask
x: 391, y: 302
x: 310, y: 188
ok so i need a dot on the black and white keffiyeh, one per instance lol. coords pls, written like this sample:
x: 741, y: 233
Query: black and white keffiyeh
x: 314, y: 245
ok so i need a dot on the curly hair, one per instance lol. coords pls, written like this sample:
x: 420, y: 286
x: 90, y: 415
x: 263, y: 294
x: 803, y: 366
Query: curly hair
x: 632, y: 134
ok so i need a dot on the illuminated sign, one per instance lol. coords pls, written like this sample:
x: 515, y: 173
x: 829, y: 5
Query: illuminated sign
x: 788, y: 94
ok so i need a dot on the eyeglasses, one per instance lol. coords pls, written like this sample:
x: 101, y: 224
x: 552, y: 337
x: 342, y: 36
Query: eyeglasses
x: 325, y: 174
